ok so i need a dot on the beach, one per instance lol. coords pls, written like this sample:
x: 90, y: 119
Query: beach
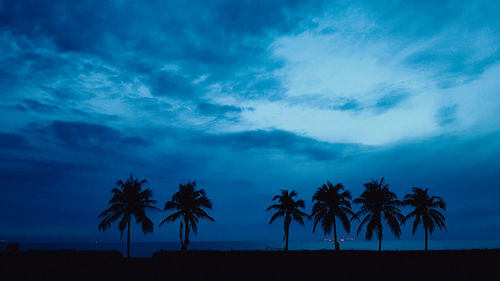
x: 252, y: 265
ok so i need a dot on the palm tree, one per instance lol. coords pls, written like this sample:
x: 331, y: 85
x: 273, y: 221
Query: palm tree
x: 188, y: 203
x: 129, y: 199
x: 378, y: 203
x: 425, y: 211
x: 332, y: 202
x: 288, y: 208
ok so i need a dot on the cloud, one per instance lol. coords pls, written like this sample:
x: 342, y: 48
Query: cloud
x: 173, y: 86
x: 347, y: 105
x: 277, y: 140
x: 32, y: 18
x: 13, y: 141
x: 390, y: 100
x: 446, y: 115
x: 82, y: 135
x: 216, y: 109
x: 40, y: 107
x: 349, y: 79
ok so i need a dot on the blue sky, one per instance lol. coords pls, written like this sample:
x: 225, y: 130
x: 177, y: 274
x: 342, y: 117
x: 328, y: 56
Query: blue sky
x: 247, y: 98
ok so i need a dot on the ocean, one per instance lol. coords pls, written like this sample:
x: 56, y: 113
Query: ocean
x: 146, y: 249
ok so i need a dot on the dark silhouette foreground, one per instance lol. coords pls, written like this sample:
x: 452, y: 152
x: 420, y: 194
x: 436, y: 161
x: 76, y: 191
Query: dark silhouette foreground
x: 253, y: 265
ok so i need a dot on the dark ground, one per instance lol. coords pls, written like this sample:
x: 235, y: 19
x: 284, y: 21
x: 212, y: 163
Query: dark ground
x: 254, y: 265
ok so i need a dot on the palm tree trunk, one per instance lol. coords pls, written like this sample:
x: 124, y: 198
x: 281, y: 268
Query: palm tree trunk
x: 426, y: 239
x: 337, y: 246
x: 186, y: 236
x: 180, y: 233
x: 128, y: 237
x: 287, y: 232
x: 380, y: 240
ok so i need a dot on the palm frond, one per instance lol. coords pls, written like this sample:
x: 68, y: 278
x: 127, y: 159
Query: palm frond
x: 299, y: 204
x: 200, y: 213
x: 298, y: 218
x: 416, y: 223
x: 331, y: 201
x: 203, y: 201
x: 123, y: 224
x: 372, y: 225
x: 275, y: 207
x: 345, y: 221
x: 193, y: 223
x: 106, y: 223
x: 424, y: 211
x: 188, y: 202
x: 171, y: 205
x: 438, y: 202
x: 115, y: 208
x: 289, y: 208
x: 318, y: 215
x: 276, y: 215
x: 129, y: 199
x: 171, y: 218
x: 393, y: 222
x: 146, y: 224
x: 438, y: 218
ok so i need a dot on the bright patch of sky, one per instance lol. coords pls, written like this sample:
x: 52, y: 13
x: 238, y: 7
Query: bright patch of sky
x: 345, y: 61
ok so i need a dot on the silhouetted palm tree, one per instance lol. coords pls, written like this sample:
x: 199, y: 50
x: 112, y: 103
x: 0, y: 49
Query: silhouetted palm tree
x: 188, y: 203
x: 332, y: 202
x: 425, y: 211
x: 378, y: 203
x: 288, y: 208
x: 129, y: 199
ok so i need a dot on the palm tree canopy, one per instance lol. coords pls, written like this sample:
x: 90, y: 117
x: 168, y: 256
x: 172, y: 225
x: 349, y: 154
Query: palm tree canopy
x: 331, y: 201
x: 378, y: 203
x: 188, y: 203
x: 425, y: 209
x: 288, y: 207
x: 129, y: 199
